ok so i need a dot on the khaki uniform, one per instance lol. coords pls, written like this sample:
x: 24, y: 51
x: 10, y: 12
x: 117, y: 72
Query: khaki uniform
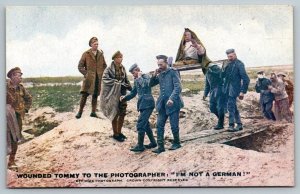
x: 18, y: 102
x: 92, y: 68
x: 21, y: 100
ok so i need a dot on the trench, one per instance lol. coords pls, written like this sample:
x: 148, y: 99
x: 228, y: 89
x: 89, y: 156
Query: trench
x: 267, y: 141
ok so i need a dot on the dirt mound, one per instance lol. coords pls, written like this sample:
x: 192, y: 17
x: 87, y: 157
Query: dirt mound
x: 85, y: 145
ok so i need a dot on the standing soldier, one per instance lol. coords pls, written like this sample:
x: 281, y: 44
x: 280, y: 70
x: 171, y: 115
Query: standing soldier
x: 168, y: 103
x: 266, y: 97
x: 213, y: 87
x: 145, y: 105
x: 91, y: 65
x: 115, y: 84
x: 20, y: 101
x: 289, y: 87
x: 236, y: 82
x: 282, y: 109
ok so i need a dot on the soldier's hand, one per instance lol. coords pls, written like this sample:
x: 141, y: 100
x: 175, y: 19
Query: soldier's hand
x: 121, y: 98
x: 241, y: 96
x: 156, y: 72
x: 204, y: 98
x: 170, y: 102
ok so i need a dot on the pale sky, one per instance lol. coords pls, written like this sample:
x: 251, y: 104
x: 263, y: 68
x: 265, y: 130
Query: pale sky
x: 49, y: 41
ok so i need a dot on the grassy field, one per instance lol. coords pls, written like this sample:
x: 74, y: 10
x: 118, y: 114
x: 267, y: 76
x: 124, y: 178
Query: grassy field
x: 48, y: 80
x: 63, y: 97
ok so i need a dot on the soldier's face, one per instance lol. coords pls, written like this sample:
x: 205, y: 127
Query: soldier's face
x: 162, y: 65
x: 17, y: 78
x: 260, y: 76
x: 95, y: 45
x: 118, y: 60
x: 231, y: 56
x: 187, y: 36
x: 135, y: 72
x: 280, y: 77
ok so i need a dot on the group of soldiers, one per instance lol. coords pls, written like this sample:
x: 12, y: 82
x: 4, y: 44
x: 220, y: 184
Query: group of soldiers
x: 223, y: 85
x: 276, y: 88
x: 114, y: 95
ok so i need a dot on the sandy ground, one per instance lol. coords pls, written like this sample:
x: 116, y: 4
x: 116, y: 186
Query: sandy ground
x: 85, y: 146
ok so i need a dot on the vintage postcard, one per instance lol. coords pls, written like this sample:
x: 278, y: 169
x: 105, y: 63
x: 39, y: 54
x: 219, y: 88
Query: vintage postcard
x: 149, y: 96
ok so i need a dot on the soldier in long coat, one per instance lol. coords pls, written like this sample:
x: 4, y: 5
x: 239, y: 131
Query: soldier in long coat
x: 168, y: 104
x: 213, y: 87
x: 236, y: 82
x: 91, y: 65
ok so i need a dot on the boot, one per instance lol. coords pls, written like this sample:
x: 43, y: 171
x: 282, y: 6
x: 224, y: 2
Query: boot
x: 152, y: 143
x: 140, y: 145
x: 81, y: 106
x: 239, y: 127
x: 94, y: 106
x: 120, y: 125
x: 231, y: 128
x: 176, y: 142
x: 220, y: 124
x: 160, y: 142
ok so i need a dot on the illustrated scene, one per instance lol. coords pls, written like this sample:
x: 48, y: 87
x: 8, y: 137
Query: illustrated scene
x: 158, y: 96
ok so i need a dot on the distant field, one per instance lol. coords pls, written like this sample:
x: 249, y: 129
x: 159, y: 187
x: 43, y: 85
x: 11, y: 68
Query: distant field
x: 61, y: 98
x: 62, y: 93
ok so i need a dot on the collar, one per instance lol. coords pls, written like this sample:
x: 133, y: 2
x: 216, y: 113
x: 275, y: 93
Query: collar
x: 11, y: 85
x: 167, y: 70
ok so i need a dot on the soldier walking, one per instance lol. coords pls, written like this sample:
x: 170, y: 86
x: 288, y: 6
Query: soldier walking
x: 236, y: 82
x: 145, y: 105
x: 168, y: 103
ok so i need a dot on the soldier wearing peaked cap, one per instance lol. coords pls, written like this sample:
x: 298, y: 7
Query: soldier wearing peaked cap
x: 19, y: 101
x: 91, y: 66
x: 168, y: 103
x: 236, y: 82
x: 145, y: 105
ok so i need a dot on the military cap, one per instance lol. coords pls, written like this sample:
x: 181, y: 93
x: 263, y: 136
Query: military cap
x: 92, y: 40
x: 117, y: 54
x: 228, y: 51
x: 282, y: 74
x: 260, y: 72
x: 14, y: 70
x: 164, y: 57
x: 133, y: 67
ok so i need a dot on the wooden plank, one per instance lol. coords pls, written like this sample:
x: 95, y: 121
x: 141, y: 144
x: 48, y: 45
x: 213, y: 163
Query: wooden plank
x: 223, y: 136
